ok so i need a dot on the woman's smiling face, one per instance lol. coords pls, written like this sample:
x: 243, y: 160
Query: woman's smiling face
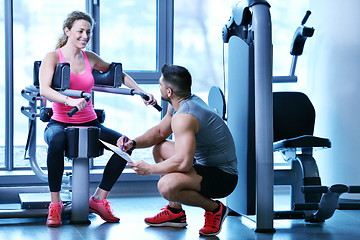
x: 79, y: 34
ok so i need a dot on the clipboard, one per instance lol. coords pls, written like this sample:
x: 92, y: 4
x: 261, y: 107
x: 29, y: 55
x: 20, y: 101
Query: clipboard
x: 118, y: 151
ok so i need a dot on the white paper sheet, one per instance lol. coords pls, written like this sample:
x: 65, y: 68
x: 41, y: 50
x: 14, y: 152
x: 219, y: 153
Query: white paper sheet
x: 118, y: 151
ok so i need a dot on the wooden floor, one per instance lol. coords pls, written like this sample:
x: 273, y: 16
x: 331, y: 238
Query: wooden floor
x: 132, y: 211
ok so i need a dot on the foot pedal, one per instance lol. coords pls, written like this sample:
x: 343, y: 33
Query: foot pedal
x: 39, y: 200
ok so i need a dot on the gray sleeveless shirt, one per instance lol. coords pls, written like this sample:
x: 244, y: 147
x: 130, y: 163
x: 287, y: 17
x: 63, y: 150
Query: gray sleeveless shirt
x: 214, y: 143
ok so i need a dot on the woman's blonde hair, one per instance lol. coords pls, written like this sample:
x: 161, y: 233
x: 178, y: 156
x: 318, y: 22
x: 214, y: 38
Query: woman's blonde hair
x: 68, y: 23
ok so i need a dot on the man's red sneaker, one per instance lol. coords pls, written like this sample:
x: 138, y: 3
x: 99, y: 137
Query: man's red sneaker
x: 166, y: 218
x: 103, y: 209
x: 54, y: 214
x: 213, y: 221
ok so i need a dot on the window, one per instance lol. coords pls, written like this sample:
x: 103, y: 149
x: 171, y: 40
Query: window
x: 2, y: 85
x: 129, y: 116
x: 128, y: 33
x: 285, y: 20
x: 35, y: 32
x: 198, y: 43
x: 36, y: 29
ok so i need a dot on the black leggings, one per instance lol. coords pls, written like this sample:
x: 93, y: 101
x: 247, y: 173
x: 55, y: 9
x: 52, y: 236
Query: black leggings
x: 54, y: 136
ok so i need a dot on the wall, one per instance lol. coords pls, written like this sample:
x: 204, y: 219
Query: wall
x: 334, y: 83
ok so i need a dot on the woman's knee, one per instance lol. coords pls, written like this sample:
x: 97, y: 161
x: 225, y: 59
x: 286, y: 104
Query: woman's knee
x: 56, y: 139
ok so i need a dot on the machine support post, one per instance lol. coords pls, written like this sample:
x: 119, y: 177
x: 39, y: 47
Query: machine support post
x: 263, y: 118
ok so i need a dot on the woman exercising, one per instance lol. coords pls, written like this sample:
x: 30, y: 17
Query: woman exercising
x: 77, y: 29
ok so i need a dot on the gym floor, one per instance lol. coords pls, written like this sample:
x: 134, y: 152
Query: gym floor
x: 132, y: 211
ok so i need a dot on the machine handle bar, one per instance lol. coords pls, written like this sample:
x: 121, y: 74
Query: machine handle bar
x: 75, y: 109
x: 307, y: 15
x: 146, y: 97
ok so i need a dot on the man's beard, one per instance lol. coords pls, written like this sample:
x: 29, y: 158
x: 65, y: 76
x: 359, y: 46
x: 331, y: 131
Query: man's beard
x: 166, y: 99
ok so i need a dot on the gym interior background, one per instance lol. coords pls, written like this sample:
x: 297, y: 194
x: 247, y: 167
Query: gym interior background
x: 138, y: 34
x: 140, y: 43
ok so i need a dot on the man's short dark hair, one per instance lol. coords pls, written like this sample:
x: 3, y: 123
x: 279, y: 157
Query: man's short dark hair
x: 178, y: 79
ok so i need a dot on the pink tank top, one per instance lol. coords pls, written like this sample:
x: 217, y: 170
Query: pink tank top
x: 83, y: 82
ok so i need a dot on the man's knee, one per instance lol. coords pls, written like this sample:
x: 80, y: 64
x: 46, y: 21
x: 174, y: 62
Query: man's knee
x: 159, y: 151
x: 156, y: 150
x: 163, y: 151
x: 167, y: 188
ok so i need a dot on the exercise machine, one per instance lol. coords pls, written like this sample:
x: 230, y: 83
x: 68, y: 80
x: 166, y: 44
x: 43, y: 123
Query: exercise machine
x: 248, y: 34
x: 287, y: 125
x: 84, y: 144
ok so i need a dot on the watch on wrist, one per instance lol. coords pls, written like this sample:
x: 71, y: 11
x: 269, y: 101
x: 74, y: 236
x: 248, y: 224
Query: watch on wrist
x: 133, y: 145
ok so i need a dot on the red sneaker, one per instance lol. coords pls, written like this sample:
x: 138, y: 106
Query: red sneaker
x: 54, y: 214
x: 166, y: 218
x: 213, y: 221
x: 103, y: 209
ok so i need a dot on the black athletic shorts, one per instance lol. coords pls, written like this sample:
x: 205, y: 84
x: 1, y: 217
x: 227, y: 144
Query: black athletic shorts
x: 215, y: 182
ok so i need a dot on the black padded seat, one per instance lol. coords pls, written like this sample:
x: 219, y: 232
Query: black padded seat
x: 306, y: 141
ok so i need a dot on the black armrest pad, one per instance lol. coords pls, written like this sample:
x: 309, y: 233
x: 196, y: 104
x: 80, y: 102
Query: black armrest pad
x: 61, y: 78
x: 111, y: 78
x: 36, y: 73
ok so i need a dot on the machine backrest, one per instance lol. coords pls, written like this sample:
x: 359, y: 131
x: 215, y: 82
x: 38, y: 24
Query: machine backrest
x: 294, y: 115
